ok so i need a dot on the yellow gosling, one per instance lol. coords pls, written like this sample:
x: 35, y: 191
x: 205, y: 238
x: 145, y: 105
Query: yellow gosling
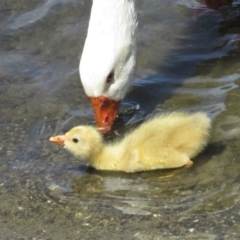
x: 165, y: 141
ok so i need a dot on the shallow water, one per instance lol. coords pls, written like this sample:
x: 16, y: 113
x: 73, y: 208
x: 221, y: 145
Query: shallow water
x: 188, y: 59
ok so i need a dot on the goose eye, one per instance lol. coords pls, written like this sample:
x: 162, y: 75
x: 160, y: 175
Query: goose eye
x: 75, y: 140
x: 110, y: 77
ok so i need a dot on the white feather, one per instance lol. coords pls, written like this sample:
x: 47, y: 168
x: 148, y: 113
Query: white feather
x: 109, y: 46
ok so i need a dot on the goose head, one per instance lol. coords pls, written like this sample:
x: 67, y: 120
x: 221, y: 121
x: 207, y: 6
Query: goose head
x: 108, y: 57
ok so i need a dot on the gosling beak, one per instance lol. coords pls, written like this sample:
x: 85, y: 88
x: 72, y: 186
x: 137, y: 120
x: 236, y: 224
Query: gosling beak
x: 105, y: 110
x: 60, y: 140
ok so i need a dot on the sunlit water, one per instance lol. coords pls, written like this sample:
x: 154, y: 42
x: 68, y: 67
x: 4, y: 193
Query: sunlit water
x: 188, y: 59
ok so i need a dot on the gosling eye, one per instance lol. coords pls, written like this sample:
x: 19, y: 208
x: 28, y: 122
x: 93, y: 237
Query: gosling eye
x: 75, y: 140
x: 110, y: 77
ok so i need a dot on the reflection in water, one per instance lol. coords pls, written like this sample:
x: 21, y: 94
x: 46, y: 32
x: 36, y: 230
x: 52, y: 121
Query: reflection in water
x: 33, y: 16
x: 215, y: 4
x: 186, y: 61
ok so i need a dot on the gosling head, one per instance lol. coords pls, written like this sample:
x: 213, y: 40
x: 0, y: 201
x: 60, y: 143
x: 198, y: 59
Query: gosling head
x: 82, y: 141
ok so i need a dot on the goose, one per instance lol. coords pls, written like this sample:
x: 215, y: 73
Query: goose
x: 163, y: 142
x: 108, y: 57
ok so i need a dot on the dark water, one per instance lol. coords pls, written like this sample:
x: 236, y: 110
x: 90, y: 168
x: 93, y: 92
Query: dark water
x: 188, y: 59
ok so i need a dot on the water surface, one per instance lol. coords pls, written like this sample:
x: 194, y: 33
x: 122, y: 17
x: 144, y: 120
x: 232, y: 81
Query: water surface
x: 188, y: 59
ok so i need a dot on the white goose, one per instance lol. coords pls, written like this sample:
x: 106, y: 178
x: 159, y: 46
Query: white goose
x: 108, y: 57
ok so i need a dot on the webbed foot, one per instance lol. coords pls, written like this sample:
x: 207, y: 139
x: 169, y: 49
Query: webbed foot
x: 178, y: 170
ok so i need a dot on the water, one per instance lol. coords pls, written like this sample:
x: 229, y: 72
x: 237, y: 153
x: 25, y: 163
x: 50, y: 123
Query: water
x: 188, y: 59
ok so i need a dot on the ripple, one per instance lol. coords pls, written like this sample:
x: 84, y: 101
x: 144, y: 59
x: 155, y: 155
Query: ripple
x: 35, y: 15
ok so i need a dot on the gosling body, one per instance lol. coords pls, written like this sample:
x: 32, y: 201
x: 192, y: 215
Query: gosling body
x: 163, y: 142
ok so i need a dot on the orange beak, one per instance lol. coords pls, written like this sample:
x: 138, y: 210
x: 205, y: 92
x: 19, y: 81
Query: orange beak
x: 105, y: 110
x: 58, y: 139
